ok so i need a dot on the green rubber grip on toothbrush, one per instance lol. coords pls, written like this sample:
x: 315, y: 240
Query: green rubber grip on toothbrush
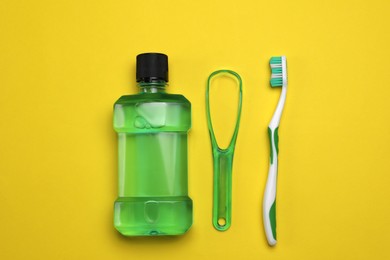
x: 223, y: 161
x: 274, y: 150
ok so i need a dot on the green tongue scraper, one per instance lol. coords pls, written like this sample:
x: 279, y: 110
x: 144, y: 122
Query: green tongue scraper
x: 223, y: 160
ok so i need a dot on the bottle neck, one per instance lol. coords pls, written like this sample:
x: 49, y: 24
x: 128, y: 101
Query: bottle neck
x: 153, y: 86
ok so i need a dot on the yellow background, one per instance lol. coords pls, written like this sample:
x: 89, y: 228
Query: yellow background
x: 64, y: 63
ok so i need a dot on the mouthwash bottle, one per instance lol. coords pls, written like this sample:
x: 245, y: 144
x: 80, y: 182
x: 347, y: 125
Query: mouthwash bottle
x: 152, y: 129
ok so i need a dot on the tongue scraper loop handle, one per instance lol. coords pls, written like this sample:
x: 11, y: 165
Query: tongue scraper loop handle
x: 223, y: 161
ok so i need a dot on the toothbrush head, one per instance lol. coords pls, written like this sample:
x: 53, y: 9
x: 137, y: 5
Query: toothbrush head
x: 278, y: 71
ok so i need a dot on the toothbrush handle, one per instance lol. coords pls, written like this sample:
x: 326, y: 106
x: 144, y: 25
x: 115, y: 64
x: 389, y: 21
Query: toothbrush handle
x: 222, y: 194
x: 269, y: 201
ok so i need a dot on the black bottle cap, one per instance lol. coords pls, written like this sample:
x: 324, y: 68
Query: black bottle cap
x: 152, y: 67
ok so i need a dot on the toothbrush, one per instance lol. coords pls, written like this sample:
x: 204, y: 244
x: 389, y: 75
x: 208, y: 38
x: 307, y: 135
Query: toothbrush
x: 278, y: 79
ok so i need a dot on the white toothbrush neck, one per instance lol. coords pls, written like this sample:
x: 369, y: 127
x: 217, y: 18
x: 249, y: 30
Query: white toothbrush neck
x: 279, y: 109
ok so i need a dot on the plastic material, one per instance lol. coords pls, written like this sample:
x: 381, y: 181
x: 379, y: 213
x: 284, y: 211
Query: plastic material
x: 152, y: 129
x: 278, y: 79
x: 152, y: 67
x: 223, y: 161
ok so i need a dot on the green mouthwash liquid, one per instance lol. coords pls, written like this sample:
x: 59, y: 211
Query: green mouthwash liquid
x: 152, y: 129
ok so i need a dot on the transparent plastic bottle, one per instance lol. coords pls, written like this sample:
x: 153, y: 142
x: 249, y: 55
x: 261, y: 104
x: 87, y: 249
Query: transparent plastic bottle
x: 152, y: 129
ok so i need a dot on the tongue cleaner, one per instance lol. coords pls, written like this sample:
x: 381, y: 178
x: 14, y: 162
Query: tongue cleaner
x: 223, y: 160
